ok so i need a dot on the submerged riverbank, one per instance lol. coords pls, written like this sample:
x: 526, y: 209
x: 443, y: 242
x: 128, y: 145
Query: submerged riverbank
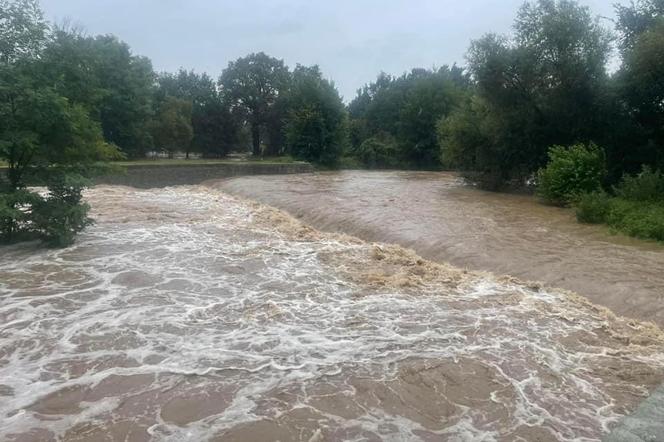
x: 186, y: 313
x: 443, y: 220
x: 161, y: 173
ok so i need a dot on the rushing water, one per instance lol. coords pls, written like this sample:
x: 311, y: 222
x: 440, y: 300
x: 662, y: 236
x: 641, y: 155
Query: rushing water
x: 189, y: 314
x: 443, y: 220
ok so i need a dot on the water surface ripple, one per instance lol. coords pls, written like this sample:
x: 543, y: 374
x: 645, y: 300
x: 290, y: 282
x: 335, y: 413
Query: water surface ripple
x: 443, y: 220
x: 189, y: 314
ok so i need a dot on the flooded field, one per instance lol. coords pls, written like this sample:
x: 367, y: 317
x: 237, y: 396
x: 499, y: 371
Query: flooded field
x: 443, y: 220
x: 189, y: 314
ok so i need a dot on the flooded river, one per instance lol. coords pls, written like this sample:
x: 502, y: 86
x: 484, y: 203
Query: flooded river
x: 190, y: 314
x: 442, y: 220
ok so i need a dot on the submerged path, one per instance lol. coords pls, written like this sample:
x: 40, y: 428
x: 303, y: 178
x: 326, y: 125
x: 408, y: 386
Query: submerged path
x: 442, y: 220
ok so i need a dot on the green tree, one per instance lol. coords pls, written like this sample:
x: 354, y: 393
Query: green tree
x: 252, y: 86
x: 544, y: 86
x: 316, y: 125
x: 640, y: 84
x: 215, y: 128
x: 172, y: 130
x: 407, y: 108
x: 44, y: 137
x: 22, y: 30
x: 571, y: 172
x: 115, y: 86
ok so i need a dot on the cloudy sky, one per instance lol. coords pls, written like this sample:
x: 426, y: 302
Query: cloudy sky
x: 352, y: 40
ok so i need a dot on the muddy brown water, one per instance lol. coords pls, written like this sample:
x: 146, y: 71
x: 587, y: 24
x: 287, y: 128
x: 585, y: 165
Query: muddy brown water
x: 443, y: 220
x: 189, y: 314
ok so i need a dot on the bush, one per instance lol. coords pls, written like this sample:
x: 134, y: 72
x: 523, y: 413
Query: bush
x: 638, y: 219
x: 571, y: 172
x: 60, y: 216
x: 593, y: 208
x: 378, y: 152
x: 16, y: 215
x: 55, y: 218
x: 635, y: 218
x: 646, y: 186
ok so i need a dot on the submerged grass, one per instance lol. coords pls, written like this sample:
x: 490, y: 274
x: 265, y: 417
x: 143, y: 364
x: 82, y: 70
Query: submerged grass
x: 640, y: 219
x: 636, y: 207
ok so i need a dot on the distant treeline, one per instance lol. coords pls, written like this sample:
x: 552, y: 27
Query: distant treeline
x: 546, y: 84
x: 256, y: 101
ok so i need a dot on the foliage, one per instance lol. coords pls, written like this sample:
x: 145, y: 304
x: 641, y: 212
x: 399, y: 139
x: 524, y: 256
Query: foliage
x: 172, y: 130
x: 648, y: 185
x: 636, y: 19
x: 638, y: 219
x: 407, y: 108
x: 642, y: 91
x: 45, y: 137
x: 637, y: 209
x: 215, y: 129
x: 102, y: 75
x: 571, y: 171
x: 22, y: 30
x: 379, y: 151
x: 543, y: 86
x: 252, y: 85
x: 60, y: 216
x: 316, y: 126
x: 593, y: 207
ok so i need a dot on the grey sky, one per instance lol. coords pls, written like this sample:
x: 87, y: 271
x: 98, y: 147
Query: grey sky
x: 352, y: 40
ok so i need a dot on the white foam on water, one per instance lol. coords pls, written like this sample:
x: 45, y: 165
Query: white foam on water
x: 177, y: 292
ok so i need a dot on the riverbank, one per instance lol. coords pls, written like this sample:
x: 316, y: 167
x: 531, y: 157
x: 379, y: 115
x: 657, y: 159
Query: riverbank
x: 443, y: 220
x: 163, y: 173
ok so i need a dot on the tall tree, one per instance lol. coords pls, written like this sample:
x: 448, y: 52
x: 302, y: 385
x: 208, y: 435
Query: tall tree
x: 172, y: 130
x: 215, y: 128
x: 544, y: 86
x: 44, y: 136
x: 103, y: 75
x: 22, y: 30
x: 316, y: 125
x: 640, y: 81
x: 252, y: 85
x: 405, y: 110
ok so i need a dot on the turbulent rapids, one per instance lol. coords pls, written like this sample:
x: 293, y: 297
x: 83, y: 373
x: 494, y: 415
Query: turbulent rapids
x: 189, y: 314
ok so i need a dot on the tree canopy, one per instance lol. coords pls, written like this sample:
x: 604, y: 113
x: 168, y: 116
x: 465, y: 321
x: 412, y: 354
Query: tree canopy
x: 46, y: 136
x: 252, y: 85
x: 316, y: 127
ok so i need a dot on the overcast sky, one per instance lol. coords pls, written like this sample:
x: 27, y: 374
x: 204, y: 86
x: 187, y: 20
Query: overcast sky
x: 352, y: 40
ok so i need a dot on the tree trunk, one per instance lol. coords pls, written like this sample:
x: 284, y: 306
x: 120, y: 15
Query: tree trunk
x: 256, y: 139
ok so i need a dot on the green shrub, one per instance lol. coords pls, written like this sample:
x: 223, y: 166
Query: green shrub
x: 638, y: 219
x: 60, y: 216
x: 58, y: 220
x: 16, y: 215
x: 593, y: 208
x: 378, y: 152
x: 55, y: 218
x: 349, y: 162
x: 646, y: 186
x: 571, y: 172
